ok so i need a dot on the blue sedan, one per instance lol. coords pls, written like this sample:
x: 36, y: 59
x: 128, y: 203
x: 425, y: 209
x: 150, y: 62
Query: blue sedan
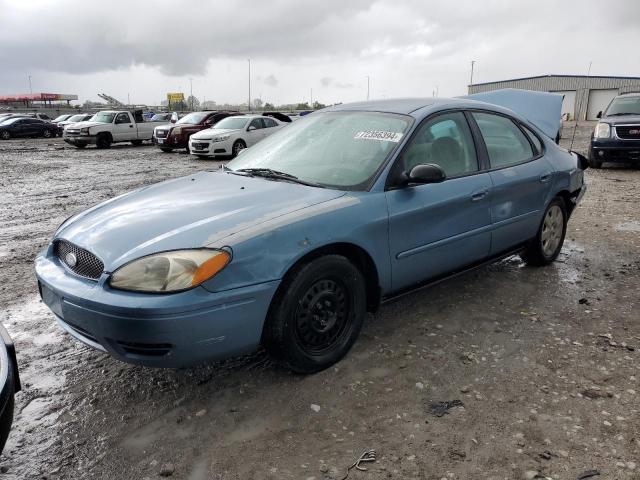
x: 291, y: 243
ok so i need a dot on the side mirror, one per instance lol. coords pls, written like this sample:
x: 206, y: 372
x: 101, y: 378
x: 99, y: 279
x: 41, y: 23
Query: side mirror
x: 599, y: 115
x: 251, y: 128
x: 426, y: 173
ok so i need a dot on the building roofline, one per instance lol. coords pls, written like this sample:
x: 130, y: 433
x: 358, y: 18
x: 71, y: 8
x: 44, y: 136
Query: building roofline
x: 555, y: 76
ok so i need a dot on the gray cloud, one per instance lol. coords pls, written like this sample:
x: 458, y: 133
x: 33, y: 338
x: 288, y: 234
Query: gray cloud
x: 271, y: 81
x: 406, y: 46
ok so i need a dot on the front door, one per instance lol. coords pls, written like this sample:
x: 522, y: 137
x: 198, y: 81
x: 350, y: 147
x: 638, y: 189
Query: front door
x: 255, y: 131
x: 123, y: 128
x: 440, y: 227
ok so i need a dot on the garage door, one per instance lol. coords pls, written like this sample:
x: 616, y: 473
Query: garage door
x: 569, y: 103
x: 598, y: 101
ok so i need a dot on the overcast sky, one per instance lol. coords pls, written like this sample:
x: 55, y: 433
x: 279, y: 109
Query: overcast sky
x: 407, y: 47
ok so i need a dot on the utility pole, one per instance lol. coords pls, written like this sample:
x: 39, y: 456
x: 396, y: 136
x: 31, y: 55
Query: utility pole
x: 249, y: 102
x: 311, y: 99
x: 30, y: 88
x: 589, y: 71
x: 191, y: 92
x: 473, y: 62
x: 128, y: 100
x: 367, y: 87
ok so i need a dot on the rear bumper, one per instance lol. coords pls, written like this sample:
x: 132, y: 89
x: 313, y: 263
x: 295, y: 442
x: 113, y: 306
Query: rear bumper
x: 158, y: 330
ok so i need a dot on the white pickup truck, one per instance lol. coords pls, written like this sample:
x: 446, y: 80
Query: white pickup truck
x: 110, y: 126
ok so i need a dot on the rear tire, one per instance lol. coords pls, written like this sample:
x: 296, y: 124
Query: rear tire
x: 317, y: 314
x: 5, y: 135
x: 103, y: 140
x: 47, y: 134
x: 546, y: 246
x: 136, y: 143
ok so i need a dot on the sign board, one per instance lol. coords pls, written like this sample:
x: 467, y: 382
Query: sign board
x: 175, y: 97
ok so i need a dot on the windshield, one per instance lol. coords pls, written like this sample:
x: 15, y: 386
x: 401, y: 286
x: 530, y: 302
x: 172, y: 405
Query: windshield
x: 232, y: 123
x: 159, y: 117
x: 193, y: 118
x: 76, y: 118
x: 103, y: 117
x: 341, y: 150
x: 624, y: 105
x: 61, y: 118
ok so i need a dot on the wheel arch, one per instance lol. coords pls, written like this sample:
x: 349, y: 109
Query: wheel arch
x: 354, y: 253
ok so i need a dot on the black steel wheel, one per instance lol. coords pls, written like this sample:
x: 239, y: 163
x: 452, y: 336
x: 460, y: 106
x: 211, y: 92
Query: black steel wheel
x: 317, y: 314
x: 5, y: 135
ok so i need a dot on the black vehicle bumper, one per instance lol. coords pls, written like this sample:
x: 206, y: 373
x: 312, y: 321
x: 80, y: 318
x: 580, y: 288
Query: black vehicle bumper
x: 615, y: 150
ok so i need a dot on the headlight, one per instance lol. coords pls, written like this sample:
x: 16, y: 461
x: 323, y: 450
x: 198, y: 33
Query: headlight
x: 603, y: 130
x: 84, y: 131
x: 222, y: 138
x: 170, y: 271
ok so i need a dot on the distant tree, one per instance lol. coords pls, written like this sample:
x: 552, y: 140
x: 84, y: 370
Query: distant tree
x: 180, y: 106
x: 193, y: 103
x: 257, y: 103
x: 269, y: 106
x: 317, y: 105
x: 303, y: 106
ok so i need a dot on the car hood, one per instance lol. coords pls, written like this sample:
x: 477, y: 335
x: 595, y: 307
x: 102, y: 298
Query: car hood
x: 622, y: 120
x: 210, y: 133
x: 88, y: 124
x: 187, y: 212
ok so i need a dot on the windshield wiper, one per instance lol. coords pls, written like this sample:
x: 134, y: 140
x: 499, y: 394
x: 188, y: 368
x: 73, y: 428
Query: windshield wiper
x: 276, y: 175
x: 621, y: 113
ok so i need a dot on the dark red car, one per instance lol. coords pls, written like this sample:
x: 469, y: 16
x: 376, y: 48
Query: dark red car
x: 171, y: 136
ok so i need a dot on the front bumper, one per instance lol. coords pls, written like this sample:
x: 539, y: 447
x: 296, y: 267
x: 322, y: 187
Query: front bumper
x: 615, y: 150
x: 80, y: 139
x: 207, y: 148
x: 158, y: 330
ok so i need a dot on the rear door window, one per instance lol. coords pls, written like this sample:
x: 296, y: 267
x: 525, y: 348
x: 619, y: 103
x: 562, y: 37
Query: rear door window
x: 506, y: 144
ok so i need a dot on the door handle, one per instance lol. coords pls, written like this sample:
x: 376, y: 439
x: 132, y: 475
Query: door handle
x: 130, y: 126
x: 545, y: 177
x: 479, y: 195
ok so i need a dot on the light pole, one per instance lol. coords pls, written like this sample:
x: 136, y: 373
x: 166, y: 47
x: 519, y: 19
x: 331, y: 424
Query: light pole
x: 191, y: 92
x: 30, y: 89
x: 249, y: 102
x: 311, y: 99
x: 473, y: 62
x: 367, y: 87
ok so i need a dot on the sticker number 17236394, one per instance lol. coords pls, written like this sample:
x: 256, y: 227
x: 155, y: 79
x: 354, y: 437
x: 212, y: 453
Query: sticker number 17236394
x: 378, y: 135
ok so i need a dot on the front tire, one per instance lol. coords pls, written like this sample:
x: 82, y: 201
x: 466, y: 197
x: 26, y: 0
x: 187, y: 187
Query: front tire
x: 103, y: 140
x: 593, y: 162
x: 80, y: 145
x: 546, y: 246
x: 46, y: 134
x: 136, y: 143
x: 238, y: 146
x: 317, y: 314
x: 167, y: 150
x: 5, y: 135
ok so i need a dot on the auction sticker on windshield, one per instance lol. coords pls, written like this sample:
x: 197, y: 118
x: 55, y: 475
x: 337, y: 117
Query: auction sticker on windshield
x: 379, y: 135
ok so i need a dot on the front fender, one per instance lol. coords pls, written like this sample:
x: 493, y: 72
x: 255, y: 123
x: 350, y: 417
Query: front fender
x: 267, y: 251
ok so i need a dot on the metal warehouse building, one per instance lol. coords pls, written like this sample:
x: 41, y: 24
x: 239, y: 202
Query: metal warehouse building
x: 584, y: 96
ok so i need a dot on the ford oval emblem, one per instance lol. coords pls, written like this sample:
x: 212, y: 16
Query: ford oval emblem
x: 71, y: 259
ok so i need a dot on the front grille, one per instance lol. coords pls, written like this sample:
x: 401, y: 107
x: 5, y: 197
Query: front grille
x: 628, y: 132
x: 73, y: 131
x: 161, y: 133
x: 200, y: 146
x: 86, y: 263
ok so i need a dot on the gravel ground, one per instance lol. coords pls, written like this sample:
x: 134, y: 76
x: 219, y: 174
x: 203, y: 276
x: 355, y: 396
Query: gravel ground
x: 544, y: 362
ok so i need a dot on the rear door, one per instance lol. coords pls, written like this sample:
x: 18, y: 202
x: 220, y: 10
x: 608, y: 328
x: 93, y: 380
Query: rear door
x: 440, y: 227
x: 521, y: 178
